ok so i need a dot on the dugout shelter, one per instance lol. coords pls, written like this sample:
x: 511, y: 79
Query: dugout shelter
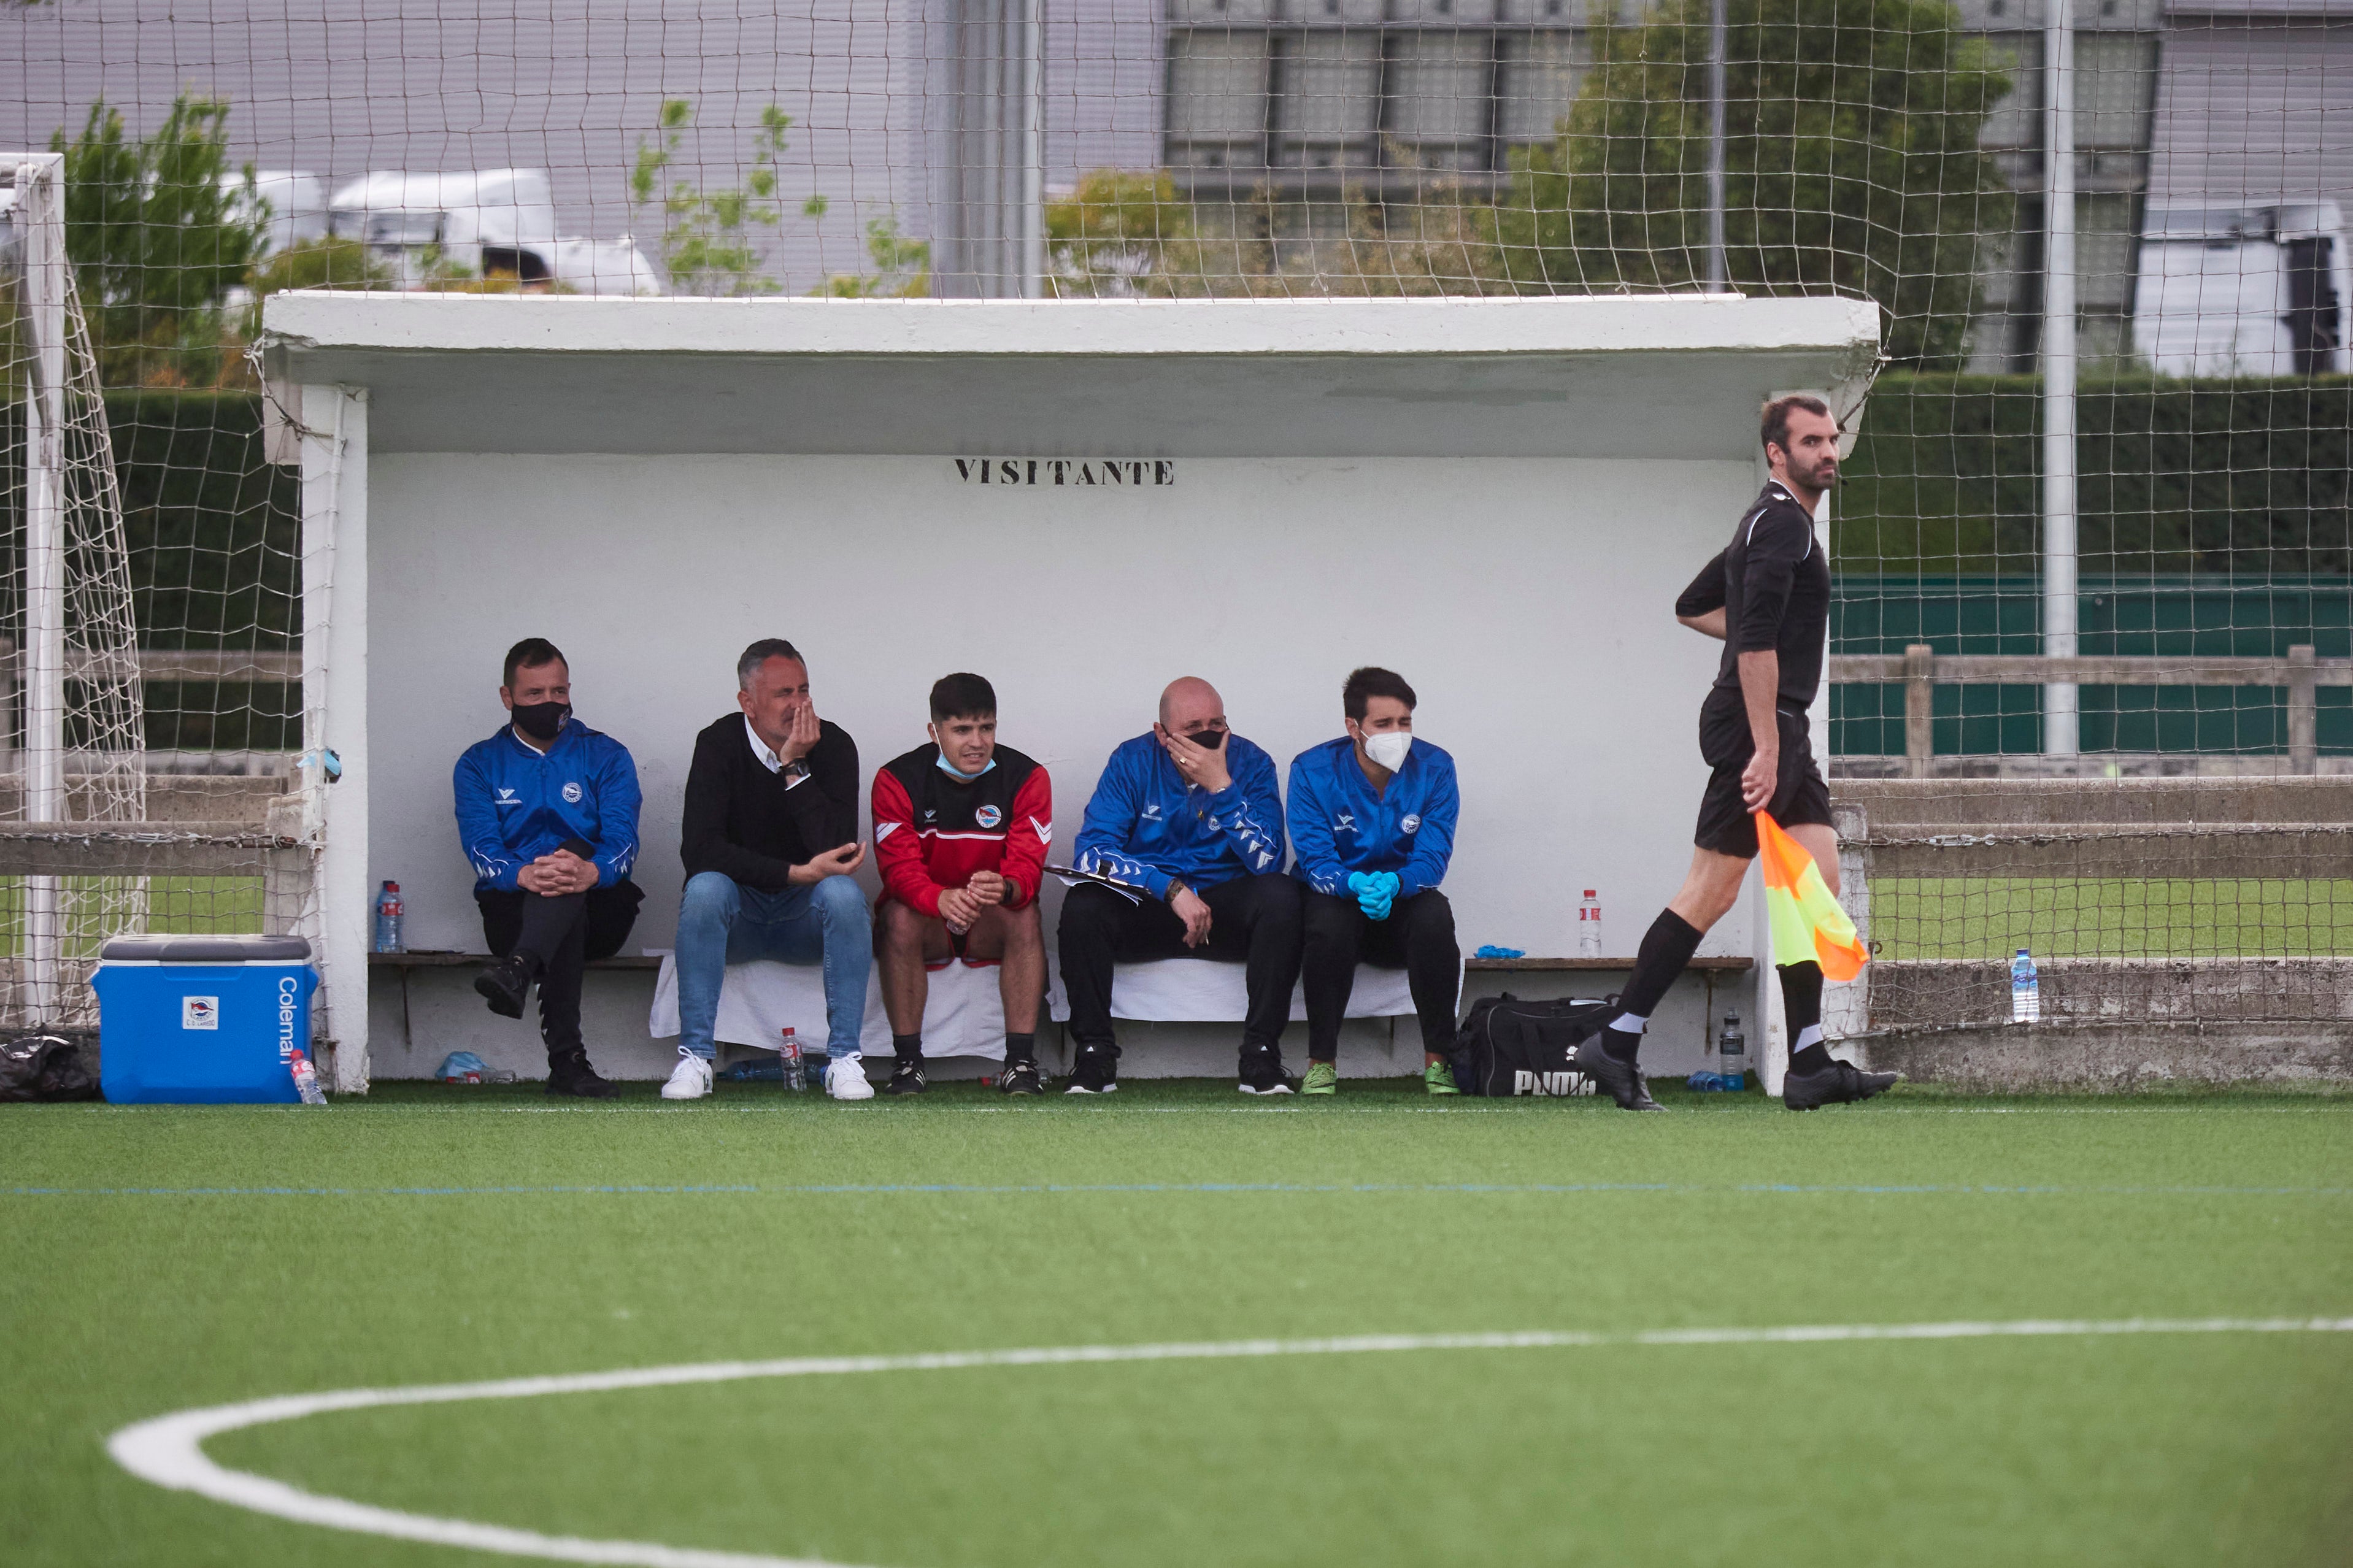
x: 1081, y: 499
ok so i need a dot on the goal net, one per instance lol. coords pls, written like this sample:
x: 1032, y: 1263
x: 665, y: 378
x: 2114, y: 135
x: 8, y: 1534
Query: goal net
x: 103, y: 836
x: 2091, y: 688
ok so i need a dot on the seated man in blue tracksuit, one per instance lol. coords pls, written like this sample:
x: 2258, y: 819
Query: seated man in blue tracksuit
x: 1372, y: 816
x: 547, y: 811
x: 1189, y: 818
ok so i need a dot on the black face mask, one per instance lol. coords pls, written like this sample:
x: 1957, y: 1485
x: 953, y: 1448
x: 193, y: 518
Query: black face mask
x: 542, y: 721
x: 1209, y: 740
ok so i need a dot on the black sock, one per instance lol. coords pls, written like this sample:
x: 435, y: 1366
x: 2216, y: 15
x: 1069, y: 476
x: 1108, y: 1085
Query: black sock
x: 1019, y: 1047
x: 908, y: 1047
x: 1666, y: 948
x: 1801, y: 1010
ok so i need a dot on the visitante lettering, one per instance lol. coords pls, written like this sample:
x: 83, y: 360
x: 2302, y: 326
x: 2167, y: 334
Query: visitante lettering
x: 1097, y: 473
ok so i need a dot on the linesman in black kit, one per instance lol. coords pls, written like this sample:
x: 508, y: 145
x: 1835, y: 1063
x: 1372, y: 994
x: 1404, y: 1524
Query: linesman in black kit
x: 1767, y: 596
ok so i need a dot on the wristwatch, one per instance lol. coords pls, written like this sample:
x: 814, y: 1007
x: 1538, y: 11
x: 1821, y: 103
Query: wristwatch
x: 794, y: 771
x: 1176, y: 886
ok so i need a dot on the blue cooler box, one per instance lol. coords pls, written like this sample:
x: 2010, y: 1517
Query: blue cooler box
x: 202, y: 1020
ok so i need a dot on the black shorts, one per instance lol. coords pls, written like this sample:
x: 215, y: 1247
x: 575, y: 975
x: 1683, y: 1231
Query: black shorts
x: 1799, y: 794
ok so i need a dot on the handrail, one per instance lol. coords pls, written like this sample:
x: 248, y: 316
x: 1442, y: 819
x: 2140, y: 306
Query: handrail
x: 1921, y: 669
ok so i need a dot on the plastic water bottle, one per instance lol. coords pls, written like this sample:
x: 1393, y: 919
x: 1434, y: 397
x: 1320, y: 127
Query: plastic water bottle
x: 755, y: 1072
x: 1588, y: 926
x: 387, y: 920
x: 796, y: 1066
x: 2025, y: 990
x: 306, y: 1077
x: 1731, y: 1054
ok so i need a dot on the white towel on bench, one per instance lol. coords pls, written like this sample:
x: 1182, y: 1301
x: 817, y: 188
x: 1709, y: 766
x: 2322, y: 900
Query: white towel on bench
x: 1212, y: 991
x: 963, y: 1016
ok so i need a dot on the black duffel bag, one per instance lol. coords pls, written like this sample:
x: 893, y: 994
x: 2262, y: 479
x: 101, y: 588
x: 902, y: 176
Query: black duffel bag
x: 1508, y: 1047
x: 45, y: 1068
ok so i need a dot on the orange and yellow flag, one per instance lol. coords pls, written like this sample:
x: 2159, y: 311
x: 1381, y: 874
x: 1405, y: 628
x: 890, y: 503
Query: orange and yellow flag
x: 1807, y: 921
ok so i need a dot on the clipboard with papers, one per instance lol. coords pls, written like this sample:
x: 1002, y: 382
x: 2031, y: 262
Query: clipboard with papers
x: 1072, y: 877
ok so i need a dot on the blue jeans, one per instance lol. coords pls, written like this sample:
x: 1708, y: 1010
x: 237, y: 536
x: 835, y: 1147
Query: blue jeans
x: 720, y: 923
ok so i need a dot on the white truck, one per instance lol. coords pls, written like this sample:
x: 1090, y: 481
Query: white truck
x: 2256, y: 292
x: 492, y: 221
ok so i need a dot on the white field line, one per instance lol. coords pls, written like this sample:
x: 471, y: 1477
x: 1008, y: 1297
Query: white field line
x: 169, y: 1449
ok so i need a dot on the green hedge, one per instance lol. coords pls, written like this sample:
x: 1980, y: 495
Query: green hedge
x: 215, y: 531
x: 2245, y: 477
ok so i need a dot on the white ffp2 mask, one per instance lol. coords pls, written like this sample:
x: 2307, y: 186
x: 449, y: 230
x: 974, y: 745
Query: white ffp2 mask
x: 1389, y: 748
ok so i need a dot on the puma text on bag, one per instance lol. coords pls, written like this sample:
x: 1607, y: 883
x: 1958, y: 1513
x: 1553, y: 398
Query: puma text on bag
x: 1508, y: 1047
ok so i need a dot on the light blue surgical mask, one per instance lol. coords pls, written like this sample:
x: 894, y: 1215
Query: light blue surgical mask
x: 956, y: 772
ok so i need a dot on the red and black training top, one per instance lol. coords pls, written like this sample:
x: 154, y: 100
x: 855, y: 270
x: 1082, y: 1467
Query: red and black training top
x: 933, y: 831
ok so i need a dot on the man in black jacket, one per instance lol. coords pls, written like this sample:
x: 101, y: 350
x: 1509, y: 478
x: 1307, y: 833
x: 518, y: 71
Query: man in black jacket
x: 770, y: 841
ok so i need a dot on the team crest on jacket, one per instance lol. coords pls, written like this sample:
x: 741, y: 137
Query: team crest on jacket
x: 1410, y: 822
x: 572, y: 794
x: 988, y: 817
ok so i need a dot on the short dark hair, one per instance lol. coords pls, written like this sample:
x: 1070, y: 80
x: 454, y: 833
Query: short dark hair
x: 1773, y: 419
x: 760, y: 653
x: 530, y: 654
x: 1363, y: 685
x: 962, y: 696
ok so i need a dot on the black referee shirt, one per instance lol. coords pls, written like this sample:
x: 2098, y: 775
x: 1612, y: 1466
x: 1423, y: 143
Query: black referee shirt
x: 1773, y: 584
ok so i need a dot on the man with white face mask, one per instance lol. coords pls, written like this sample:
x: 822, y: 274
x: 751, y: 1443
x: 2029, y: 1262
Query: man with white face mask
x: 1372, y: 819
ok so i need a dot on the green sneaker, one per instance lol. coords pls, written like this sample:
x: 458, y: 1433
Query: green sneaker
x: 1322, y: 1077
x: 1437, y: 1077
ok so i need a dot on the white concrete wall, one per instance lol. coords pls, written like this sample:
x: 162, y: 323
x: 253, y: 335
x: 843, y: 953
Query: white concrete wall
x: 1529, y: 602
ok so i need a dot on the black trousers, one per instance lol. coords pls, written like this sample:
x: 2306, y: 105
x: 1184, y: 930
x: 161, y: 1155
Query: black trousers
x: 1417, y: 936
x: 561, y: 936
x: 1254, y: 920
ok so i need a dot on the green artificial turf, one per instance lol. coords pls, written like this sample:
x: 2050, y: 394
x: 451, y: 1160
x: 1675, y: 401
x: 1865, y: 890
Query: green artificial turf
x: 176, y: 906
x: 1992, y: 918
x: 472, y: 1233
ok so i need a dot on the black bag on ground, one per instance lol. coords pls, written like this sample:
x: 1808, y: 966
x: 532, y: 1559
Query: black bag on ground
x: 1508, y: 1047
x: 45, y: 1068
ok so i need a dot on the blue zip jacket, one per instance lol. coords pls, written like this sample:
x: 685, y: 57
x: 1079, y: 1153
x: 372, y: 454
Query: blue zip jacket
x: 1145, y: 825
x: 1338, y: 825
x: 514, y: 805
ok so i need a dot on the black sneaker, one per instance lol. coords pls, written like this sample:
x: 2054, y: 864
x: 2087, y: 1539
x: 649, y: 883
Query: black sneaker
x: 1261, y: 1073
x: 570, y: 1074
x: 907, y: 1077
x: 1623, y: 1081
x: 505, y: 985
x: 1094, y: 1070
x: 1840, y: 1083
x: 1022, y: 1078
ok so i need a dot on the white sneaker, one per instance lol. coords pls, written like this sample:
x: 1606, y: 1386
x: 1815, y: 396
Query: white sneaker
x: 845, y: 1078
x: 690, y: 1079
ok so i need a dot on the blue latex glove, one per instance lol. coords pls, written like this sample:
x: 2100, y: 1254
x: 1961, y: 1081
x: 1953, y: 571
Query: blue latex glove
x: 1374, y: 891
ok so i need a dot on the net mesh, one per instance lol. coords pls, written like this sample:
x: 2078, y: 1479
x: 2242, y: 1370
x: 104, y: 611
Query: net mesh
x: 2161, y: 202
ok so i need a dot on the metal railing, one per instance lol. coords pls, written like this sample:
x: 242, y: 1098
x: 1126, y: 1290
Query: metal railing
x: 1921, y: 669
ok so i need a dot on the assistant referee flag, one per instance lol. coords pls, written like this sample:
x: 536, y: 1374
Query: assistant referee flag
x: 1807, y: 921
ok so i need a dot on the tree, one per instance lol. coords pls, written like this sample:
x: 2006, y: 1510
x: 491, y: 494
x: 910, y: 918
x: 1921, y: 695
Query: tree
x: 1126, y: 232
x: 708, y: 244
x: 157, y: 231
x: 1851, y: 163
x: 902, y: 267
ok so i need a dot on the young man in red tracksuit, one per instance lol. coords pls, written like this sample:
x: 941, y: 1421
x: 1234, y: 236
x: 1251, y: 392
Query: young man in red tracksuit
x: 961, y: 827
